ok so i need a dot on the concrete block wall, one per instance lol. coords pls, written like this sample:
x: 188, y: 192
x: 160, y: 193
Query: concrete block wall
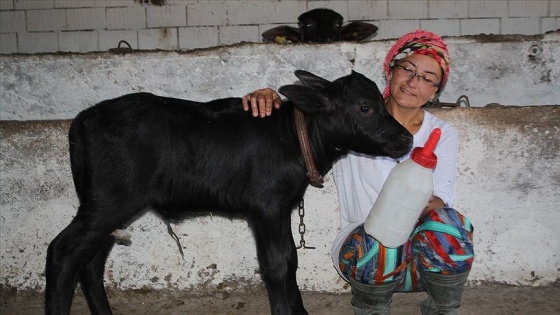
x: 36, y: 26
x: 508, y: 172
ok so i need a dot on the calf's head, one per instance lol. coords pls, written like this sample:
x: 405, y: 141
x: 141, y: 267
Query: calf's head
x: 351, y: 113
x: 321, y: 26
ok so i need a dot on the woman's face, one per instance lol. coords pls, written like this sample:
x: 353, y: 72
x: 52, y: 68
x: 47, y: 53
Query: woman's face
x: 414, y: 91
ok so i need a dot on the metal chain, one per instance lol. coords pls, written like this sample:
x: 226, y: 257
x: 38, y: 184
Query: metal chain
x: 301, y: 212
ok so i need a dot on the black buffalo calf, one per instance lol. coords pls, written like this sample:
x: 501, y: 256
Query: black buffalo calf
x: 142, y: 151
x: 320, y: 26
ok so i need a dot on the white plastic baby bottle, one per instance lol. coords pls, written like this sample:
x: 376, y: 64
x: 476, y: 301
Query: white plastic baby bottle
x: 404, y: 195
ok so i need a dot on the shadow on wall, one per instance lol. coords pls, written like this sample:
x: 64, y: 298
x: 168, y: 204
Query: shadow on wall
x: 154, y: 2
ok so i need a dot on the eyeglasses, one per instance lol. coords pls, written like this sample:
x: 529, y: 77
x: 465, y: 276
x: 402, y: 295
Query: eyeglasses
x: 404, y: 72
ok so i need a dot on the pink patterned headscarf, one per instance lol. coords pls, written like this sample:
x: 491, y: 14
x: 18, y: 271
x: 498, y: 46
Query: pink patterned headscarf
x: 417, y: 42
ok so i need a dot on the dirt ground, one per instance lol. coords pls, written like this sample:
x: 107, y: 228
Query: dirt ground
x: 492, y: 299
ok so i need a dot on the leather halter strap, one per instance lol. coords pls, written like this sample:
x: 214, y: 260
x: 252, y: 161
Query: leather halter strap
x: 314, y: 176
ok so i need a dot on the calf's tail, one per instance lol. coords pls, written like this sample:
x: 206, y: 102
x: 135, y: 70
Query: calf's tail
x: 76, y: 136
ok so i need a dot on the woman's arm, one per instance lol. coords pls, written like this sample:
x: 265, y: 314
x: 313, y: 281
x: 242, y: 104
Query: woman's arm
x: 261, y: 102
x: 445, y: 173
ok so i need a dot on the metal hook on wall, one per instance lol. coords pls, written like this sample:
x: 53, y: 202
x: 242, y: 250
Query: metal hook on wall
x: 121, y: 50
x: 463, y: 99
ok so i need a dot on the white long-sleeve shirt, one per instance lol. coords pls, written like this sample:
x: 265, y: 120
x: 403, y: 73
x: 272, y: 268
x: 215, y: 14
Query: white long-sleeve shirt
x: 359, y: 178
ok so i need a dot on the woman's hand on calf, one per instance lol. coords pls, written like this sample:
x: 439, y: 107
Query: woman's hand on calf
x: 261, y: 102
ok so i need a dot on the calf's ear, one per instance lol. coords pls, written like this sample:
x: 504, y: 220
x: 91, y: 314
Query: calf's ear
x: 312, y: 81
x: 282, y: 34
x: 357, y: 31
x: 304, y: 98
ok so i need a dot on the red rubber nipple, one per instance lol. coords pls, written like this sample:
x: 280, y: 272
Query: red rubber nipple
x: 425, y: 156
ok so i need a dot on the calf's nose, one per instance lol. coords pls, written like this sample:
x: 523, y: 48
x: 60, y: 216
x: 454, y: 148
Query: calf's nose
x: 407, y: 139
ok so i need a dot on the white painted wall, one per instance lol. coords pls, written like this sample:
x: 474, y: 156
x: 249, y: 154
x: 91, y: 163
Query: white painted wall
x: 508, y: 171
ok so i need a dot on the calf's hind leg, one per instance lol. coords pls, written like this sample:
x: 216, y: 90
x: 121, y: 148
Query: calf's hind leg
x: 79, y: 251
x: 91, y: 279
x: 61, y: 270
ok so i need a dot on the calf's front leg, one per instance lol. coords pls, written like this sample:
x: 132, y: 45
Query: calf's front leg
x: 278, y: 263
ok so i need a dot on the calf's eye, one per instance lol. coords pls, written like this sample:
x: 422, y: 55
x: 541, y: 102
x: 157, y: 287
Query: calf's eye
x: 365, y: 109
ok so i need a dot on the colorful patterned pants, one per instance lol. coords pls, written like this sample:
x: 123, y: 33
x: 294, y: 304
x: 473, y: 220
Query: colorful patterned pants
x: 441, y: 243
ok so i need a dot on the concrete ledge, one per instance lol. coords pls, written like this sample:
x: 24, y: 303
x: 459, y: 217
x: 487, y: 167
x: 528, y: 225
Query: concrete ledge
x: 510, y: 70
x: 509, y: 174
